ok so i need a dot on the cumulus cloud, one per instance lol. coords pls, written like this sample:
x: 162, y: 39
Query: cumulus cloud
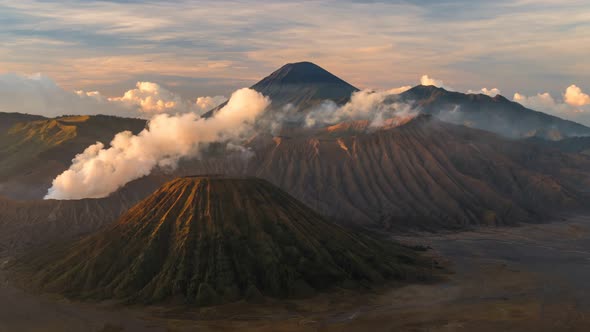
x: 426, y: 80
x: 151, y: 98
x: 571, y: 108
x: 204, y: 104
x: 100, y: 170
x: 575, y: 97
x: 490, y: 92
x: 39, y: 94
x: 370, y: 105
x: 541, y: 101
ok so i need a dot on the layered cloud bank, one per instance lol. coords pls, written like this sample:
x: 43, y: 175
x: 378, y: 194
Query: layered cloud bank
x: 575, y: 104
x: 99, y: 170
x: 38, y: 94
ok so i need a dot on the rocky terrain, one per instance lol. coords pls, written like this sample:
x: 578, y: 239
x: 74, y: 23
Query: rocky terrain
x: 529, y: 278
x: 423, y: 174
x: 208, y: 240
x: 28, y: 224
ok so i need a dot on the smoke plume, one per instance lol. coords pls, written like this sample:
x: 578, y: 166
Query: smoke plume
x: 426, y: 80
x: 101, y: 170
x: 374, y: 106
x: 489, y: 92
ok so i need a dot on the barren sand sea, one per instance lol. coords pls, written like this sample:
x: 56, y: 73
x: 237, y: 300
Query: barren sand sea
x: 528, y: 278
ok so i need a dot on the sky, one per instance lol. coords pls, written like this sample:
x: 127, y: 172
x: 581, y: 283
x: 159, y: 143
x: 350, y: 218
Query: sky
x: 531, y: 51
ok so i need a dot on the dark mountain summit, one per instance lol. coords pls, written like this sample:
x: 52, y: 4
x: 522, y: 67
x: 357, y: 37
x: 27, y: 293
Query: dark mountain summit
x: 212, y: 239
x: 303, y: 85
x: 496, y: 114
x: 302, y: 73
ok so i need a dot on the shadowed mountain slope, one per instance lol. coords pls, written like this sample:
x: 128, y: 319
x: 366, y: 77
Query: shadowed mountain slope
x: 29, y: 224
x: 209, y: 240
x: 496, y: 114
x: 570, y: 144
x: 7, y: 120
x: 424, y: 174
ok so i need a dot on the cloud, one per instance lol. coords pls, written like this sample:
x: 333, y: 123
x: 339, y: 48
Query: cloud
x: 426, y: 80
x: 363, y: 41
x: 370, y: 105
x: 39, y: 94
x: 541, y: 101
x: 546, y: 103
x: 575, y: 97
x: 490, y: 92
x: 152, y: 98
x: 100, y: 170
x: 204, y: 104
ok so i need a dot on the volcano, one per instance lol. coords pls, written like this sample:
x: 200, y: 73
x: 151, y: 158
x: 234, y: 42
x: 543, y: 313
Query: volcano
x: 302, y: 85
x: 209, y: 240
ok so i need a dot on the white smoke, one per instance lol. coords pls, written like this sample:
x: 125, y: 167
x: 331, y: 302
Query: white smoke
x: 370, y: 105
x: 99, y: 170
x: 39, y: 94
x: 489, y: 92
x: 204, y: 104
x: 426, y: 80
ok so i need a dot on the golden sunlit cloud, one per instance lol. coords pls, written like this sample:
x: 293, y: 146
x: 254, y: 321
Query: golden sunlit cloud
x: 575, y: 97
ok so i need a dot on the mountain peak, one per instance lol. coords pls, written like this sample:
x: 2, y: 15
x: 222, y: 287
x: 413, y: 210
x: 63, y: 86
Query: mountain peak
x: 214, y: 239
x: 301, y: 73
x: 302, y: 85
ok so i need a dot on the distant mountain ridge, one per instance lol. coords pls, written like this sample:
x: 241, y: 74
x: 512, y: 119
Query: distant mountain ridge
x: 496, y: 114
x: 304, y: 85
